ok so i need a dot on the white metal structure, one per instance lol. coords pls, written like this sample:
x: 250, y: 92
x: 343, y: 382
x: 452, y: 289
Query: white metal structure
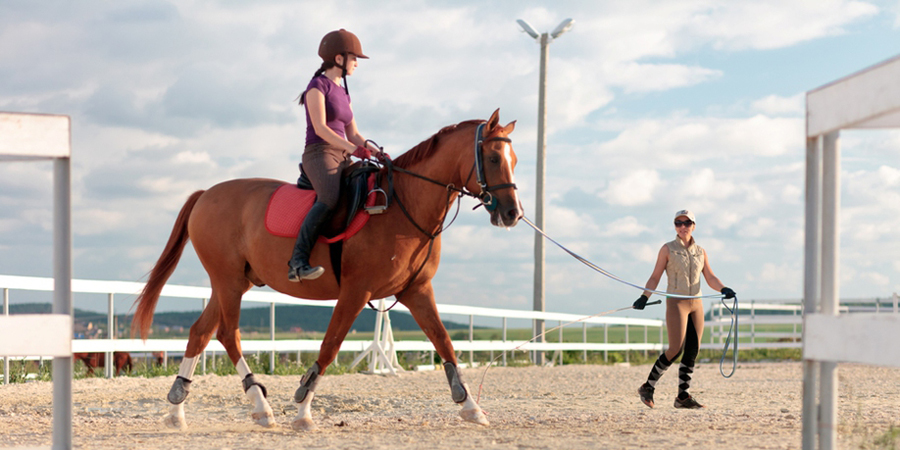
x: 122, y: 289
x: 29, y: 137
x: 544, y: 39
x: 867, y: 99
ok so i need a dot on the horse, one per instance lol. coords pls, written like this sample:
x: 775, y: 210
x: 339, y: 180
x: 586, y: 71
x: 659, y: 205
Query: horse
x: 396, y: 254
x: 121, y: 360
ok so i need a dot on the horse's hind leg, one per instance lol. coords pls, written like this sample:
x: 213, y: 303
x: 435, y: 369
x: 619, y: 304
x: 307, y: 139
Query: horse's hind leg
x: 420, y: 302
x: 201, y: 332
x: 347, y: 308
x: 230, y: 337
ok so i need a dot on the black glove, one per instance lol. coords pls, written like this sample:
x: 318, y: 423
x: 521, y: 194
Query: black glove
x: 728, y: 292
x: 641, y: 302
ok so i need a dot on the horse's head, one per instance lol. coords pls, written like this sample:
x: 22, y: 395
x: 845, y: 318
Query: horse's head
x: 493, y: 178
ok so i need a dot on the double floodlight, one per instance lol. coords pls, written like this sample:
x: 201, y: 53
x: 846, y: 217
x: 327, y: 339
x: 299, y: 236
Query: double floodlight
x: 564, y: 26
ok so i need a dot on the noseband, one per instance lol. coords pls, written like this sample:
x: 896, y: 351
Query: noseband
x: 485, y: 196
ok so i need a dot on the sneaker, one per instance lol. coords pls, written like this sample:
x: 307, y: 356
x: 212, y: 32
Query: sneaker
x: 687, y: 403
x: 646, y: 392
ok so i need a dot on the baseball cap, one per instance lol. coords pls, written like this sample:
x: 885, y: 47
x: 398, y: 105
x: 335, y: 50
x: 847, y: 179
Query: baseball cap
x: 686, y: 213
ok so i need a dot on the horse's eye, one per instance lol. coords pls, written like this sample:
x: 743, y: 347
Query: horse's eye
x: 494, y: 160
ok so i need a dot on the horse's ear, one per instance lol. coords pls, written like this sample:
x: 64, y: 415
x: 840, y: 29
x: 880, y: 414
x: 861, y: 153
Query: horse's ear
x: 509, y: 128
x: 493, y: 121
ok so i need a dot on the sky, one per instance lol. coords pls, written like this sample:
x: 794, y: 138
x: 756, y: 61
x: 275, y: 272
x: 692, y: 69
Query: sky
x: 653, y: 107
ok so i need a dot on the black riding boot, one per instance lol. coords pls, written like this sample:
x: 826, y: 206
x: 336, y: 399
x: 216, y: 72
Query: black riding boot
x: 309, y: 232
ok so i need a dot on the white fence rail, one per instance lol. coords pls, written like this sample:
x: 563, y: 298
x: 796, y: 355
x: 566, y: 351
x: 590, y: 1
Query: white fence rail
x: 273, y: 346
x: 752, y: 316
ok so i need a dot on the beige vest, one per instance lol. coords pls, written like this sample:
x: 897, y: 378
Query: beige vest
x: 685, y: 267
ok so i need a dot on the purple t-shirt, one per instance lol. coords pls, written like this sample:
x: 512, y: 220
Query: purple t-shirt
x: 337, y: 108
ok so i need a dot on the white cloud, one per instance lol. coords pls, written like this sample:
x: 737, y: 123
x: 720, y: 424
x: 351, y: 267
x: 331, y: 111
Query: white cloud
x: 633, y: 188
x: 774, y: 105
x: 625, y: 226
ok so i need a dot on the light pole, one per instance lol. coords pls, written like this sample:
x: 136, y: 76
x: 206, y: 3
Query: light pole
x: 544, y: 39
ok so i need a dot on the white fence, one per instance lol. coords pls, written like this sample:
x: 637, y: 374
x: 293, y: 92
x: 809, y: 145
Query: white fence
x: 781, y: 315
x: 129, y: 289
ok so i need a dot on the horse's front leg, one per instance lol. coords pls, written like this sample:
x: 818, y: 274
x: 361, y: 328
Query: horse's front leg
x: 345, y: 312
x: 420, y: 302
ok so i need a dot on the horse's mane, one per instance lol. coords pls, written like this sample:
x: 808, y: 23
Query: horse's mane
x: 426, y: 148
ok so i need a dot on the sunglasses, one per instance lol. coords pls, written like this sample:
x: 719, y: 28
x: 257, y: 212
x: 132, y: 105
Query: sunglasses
x: 686, y: 223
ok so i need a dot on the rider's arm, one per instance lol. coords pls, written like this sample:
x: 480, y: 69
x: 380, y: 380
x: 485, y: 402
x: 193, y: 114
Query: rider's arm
x: 661, y: 260
x: 353, y: 135
x: 315, y: 103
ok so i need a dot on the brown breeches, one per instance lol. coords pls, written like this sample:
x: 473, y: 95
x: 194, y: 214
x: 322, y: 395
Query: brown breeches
x: 323, y: 165
x: 678, y: 313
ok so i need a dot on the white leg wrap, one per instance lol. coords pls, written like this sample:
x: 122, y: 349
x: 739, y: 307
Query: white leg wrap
x: 186, y: 370
x: 262, y: 412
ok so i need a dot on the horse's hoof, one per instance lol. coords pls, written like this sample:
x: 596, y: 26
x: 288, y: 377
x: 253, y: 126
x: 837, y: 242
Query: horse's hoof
x: 264, y: 418
x: 474, y: 416
x: 176, y: 422
x: 303, y: 425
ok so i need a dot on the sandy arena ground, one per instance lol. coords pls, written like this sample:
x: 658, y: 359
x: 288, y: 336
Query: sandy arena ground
x: 570, y: 407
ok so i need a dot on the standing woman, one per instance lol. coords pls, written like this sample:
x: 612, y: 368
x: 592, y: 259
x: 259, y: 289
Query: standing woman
x: 683, y: 261
x: 331, y: 137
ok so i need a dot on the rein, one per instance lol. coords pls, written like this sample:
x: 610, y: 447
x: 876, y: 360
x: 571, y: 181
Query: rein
x: 485, y: 197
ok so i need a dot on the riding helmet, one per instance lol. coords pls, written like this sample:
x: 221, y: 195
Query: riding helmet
x: 338, y: 43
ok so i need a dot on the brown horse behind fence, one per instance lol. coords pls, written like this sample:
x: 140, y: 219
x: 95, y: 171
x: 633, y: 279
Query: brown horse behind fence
x: 121, y: 360
x: 388, y: 257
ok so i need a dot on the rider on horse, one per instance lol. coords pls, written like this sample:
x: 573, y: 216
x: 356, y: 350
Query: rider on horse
x: 331, y: 137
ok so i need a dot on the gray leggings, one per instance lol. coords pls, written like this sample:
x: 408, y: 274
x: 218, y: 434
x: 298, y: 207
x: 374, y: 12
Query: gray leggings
x: 323, y: 165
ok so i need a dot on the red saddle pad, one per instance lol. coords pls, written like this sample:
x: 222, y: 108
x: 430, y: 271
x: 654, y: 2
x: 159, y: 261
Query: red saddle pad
x: 289, y: 205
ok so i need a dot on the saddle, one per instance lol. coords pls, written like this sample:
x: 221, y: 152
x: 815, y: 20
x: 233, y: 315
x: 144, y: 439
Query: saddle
x: 289, y: 204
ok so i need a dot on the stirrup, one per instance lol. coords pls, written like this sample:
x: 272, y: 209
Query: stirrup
x: 296, y: 274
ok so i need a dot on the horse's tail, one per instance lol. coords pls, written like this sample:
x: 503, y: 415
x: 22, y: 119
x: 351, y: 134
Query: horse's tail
x: 146, y: 302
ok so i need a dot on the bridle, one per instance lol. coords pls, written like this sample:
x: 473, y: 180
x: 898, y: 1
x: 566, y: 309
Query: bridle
x: 484, y: 197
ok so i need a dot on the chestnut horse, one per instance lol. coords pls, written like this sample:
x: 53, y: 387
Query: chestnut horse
x: 121, y: 360
x: 388, y: 257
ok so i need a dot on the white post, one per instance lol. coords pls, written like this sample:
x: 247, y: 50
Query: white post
x: 752, y: 323
x: 6, y: 313
x: 605, y: 341
x: 62, y: 300
x: 272, y: 338
x: 830, y: 281
x: 203, y: 353
x: 811, y: 273
x: 539, y: 296
x: 110, y: 356
x: 504, y: 339
x: 646, y: 340
x: 584, y: 339
x: 471, y: 338
x: 627, y: 356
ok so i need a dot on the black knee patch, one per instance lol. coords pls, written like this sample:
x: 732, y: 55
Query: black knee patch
x: 249, y: 381
x: 308, y: 383
x: 180, y: 390
x: 457, y: 390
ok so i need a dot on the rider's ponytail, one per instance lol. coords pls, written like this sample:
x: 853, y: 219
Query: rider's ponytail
x: 325, y: 66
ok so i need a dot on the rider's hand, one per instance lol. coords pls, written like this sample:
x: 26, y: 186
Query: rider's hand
x: 362, y: 152
x: 382, y: 156
x: 728, y: 292
x: 641, y: 302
